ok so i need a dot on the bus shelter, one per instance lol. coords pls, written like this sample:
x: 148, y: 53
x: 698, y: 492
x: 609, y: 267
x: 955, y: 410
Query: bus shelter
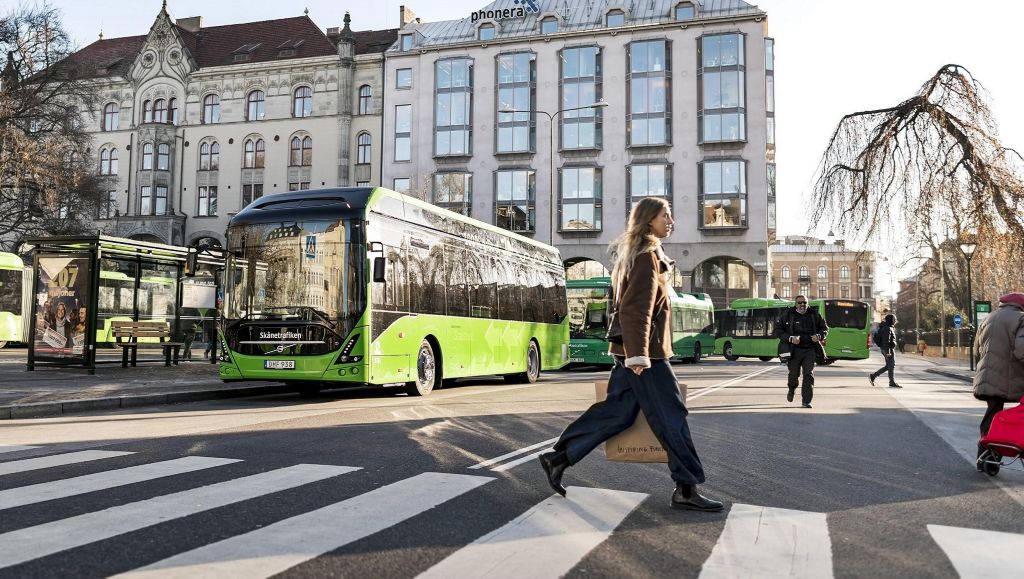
x: 81, y: 285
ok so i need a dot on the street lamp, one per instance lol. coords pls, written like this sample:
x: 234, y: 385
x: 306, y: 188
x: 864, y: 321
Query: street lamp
x: 969, y: 248
x: 601, y: 103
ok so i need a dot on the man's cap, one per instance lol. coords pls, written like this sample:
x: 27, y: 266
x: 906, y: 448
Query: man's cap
x: 1013, y: 298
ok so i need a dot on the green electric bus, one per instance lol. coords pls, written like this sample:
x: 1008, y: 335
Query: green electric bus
x: 692, y: 322
x: 13, y: 298
x: 364, y: 286
x: 746, y: 328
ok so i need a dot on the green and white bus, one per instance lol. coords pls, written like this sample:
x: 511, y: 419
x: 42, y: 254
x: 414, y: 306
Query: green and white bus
x: 589, y: 303
x: 746, y: 329
x: 14, y: 298
x: 365, y: 286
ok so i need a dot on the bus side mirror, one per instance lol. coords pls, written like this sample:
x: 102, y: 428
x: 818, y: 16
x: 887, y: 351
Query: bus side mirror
x: 378, y: 270
x: 191, y: 263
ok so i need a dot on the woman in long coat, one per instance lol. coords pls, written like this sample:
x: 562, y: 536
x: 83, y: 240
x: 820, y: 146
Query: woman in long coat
x: 1000, y: 375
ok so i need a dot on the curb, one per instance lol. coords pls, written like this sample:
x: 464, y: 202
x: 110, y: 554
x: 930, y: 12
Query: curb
x: 949, y: 374
x: 50, y: 409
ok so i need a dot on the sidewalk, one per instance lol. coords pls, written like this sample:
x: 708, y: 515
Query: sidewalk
x: 50, y: 391
x: 948, y: 367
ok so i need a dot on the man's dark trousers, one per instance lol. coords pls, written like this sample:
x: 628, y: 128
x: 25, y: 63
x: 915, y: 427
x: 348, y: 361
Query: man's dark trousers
x: 657, y: 393
x: 890, y: 366
x: 802, y: 359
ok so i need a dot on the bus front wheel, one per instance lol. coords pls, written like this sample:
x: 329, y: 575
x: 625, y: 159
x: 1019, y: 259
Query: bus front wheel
x: 426, y: 371
x: 727, y: 352
x: 696, y: 354
x: 532, y: 367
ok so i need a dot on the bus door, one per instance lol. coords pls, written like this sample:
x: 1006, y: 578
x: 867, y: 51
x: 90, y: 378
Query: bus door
x: 389, y: 359
x: 458, y: 347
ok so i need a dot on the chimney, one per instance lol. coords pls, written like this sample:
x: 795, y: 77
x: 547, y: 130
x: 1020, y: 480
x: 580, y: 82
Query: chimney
x: 333, y: 33
x: 405, y: 16
x: 192, y: 23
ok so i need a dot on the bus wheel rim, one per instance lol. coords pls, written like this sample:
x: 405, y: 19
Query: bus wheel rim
x: 532, y: 361
x: 425, y: 368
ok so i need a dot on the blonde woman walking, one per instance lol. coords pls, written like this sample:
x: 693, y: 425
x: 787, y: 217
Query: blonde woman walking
x: 642, y: 377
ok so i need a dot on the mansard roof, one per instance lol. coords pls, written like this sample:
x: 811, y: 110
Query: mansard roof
x: 371, y: 41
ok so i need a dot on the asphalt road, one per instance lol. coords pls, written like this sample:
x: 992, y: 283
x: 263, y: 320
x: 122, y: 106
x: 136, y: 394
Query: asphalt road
x: 871, y: 481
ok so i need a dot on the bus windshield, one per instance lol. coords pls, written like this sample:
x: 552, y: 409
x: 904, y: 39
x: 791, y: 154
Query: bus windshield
x: 846, y: 315
x: 305, y: 271
x: 588, y: 311
x: 10, y: 291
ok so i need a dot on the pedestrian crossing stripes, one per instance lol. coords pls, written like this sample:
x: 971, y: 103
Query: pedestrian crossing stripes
x: 28, y: 464
x: 979, y: 554
x: 14, y: 448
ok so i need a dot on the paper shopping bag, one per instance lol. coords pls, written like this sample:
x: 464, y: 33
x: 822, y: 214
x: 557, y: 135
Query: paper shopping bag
x: 637, y: 443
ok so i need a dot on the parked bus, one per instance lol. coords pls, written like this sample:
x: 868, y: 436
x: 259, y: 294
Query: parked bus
x: 365, y: 286
x: 590, y: 301
x: 746, y: 329
x: 14, y: 298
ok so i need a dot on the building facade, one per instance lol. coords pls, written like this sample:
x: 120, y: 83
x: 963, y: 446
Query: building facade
x: 816, y: 269
x: 194, y: 123
x: 553, y: 118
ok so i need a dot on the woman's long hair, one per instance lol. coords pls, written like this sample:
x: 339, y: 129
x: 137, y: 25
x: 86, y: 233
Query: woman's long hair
x: 637, y: 238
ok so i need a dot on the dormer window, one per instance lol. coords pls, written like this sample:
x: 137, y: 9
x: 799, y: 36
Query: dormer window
x: 406, y: 42
x: 287, y: 49
x: 685, y: 11
x: 244, y: 53
x: 486, y: 32
x: 549, y: 25
x: 615, y: 18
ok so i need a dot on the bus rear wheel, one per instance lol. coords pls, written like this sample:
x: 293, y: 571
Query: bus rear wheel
x: 426, y: 371
x: 727, y: 352
x: 765, y: 358
x: 696, y: 354
x: 2, y: 344
x: 532, y: 367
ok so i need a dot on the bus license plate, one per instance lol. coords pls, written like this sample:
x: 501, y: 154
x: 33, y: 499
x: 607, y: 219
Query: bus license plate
x: 575, y: 359
x: 279, y: 364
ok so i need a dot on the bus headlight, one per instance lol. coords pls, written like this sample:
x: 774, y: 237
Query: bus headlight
x: 346, y: 356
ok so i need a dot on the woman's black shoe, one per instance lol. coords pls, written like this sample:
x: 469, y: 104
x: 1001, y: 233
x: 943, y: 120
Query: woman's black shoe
x: 687, y: 497
x: 554, y: 464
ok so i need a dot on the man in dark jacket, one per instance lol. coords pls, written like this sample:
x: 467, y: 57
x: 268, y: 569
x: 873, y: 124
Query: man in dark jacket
x: 885, y: 339
x: 804, y: 330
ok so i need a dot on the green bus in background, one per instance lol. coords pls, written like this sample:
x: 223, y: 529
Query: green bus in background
x: 14, y: 298
x: 590, y: 301
x: 747, y: 328
x: 365, y: 286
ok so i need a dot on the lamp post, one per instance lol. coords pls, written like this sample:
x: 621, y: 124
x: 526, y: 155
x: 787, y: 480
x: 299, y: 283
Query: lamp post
x: 551, y: 143
x: 969, y: 248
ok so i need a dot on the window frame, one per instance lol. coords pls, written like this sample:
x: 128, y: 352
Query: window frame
x: 450, y: 92
x: 632, y: 198
x: 465, y: 205
x: 549, y: 20
x: 575, y: 119
x: 211, y: 109
x: 159, y: 111
x: 683, y: 5
x: 249, y: 193
x: 512, y: 121
x: 364, y: 150
x: 721, y: 69
x: 300, y: 151
x: 146, y: 158
x: 365, y: 100
x: 402, y: 136
x: 163, y: 157
x: 530, y: 203
x: 596, y: 200
x: 260, y: 103
x: 305, y: 100
x: 206, y: 201
x: 649, y: 77
x: 408, y: 185
x: 614, y: 12
x: 742, y: 195
x: 111, y: 117
x: 406, y: 42
x: 398, y: 78
x: 786, y: 272
x: 492, y: 30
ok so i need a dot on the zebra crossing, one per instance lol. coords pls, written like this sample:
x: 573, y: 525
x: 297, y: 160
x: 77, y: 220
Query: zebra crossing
x: 548, y: 539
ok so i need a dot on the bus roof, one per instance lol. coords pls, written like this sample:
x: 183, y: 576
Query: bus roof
x: 592, y: 282
x: 10, y: 261
x: 754, y: 303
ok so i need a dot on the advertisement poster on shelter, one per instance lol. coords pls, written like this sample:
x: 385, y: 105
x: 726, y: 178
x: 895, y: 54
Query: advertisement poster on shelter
x: 61, y: 308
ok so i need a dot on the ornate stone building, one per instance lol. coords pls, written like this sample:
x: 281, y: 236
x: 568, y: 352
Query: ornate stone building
x: 194, y: 123
x: 819, y: 269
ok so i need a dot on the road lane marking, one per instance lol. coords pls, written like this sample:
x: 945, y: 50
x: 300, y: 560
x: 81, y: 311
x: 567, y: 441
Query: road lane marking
x: 546, y: 541
x: 498, y: 459
x: 521, y: 460
x: 14, y: 448
x: 32, y: 494
x: 727, y: 383
x: 28, y: 464
x: 285, y: 544
x: 980, y: 554
x: 34, y: 542
x: 759, y: 541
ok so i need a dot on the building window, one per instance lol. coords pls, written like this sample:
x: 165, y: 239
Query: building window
x: 769, y: 89
x: 649, y: 181
x: 211, y: 109
x: 615, y: 18
x: 207, y: 202
x: 770, y: 170
x: 365, y: 100
x: 251, y: 192
x: 147, y: 156
x: 254, y: 155
x: 844, y: 272
x: 549, y: 25
x: 147, y: 112
x: 108, y: 207
x: 160, y: 111
x: 298, y: 186
x: 362, y: 183
x: 580, y: 199
x: 722, y: 76
x: 649, y: 121
x: 454, y: 191
x: 209, y: 156
x: 581, y: 86
x: 805, y: 290
x: 108, y: 161
x: 785, y: 272
x: 172, y: 111
x: 685, y: 11
x: 515, y: 195
x: 406, y: 42
x: 486, y: 32
x: 302, y: 152
x: 403, y: 132
x: 786, y: 291
x: 163, y: 157
x: 453, y: 103
x: 804, y: 273
x: 723, y: 194
x: 303, y: 106
x: 400, y: 184
x: 822, y: 272
x: 822, y: 291
x: 517, y: 85
x: 255, y: 103
x: 150, y: 205
x: 363, y: 148
x: 403, y: 78
x: 160, y: 201
x: 110, y: 117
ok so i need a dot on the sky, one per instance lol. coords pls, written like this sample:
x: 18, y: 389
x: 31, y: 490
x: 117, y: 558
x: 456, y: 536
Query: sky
x: 831, y: 58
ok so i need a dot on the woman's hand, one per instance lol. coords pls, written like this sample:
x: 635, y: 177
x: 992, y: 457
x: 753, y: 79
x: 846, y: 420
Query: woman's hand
x: 637, y: 369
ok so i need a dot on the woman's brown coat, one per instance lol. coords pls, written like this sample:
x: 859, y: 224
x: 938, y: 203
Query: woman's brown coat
x: 644, y: 309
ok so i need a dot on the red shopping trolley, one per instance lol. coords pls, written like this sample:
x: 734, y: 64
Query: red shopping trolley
x: 1004, y: 442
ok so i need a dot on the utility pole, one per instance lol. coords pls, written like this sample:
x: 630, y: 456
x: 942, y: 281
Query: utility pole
x: 917, y: 312
x: 942, y: 302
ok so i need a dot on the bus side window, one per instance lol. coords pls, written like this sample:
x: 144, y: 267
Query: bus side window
x: 455, y: 261
x: 483, y: 298
x: 532, y: 294
x: 510, y: 298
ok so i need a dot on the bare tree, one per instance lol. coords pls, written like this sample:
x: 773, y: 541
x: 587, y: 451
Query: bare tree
x: 46, y: 186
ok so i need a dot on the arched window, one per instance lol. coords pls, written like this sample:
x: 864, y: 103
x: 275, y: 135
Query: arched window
x: 163, y: 157
x: 113, y: 162
x: 822, y: 272
x: 301, y: 151
x: 104, y: 162
x: 307, y: 151
x: 365, y: 100
x: 785, y: 272
x: 160, y: 111
x: 172, y: 111
x: 211, y: 109
x: 110, y: 114
x: 803, y: 271
x: 844, y: 272
x: 147, y: 112
x: 147, y: 156
x: 303, y: 102
x: 215, y: 156
x: 363, y: 148
x: 253, y: 157
x: 255, y: 102
x: 204, y: 157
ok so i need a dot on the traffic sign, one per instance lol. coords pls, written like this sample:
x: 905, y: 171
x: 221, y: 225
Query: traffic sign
x: 982, y: 309
x: 956, y: 321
